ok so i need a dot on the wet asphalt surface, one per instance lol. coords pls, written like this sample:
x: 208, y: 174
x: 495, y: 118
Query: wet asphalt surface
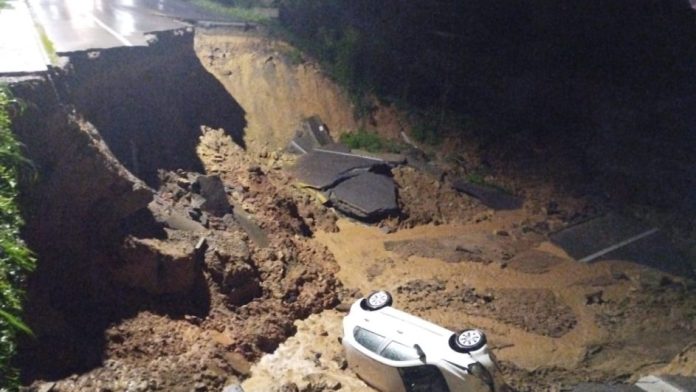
x: 77, y: 25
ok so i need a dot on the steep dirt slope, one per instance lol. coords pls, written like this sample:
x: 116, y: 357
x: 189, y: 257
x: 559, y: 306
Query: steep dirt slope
x: 273, y: 85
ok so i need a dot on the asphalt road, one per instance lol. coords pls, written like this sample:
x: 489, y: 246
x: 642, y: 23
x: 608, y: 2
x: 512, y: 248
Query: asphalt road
x: 74, y: 25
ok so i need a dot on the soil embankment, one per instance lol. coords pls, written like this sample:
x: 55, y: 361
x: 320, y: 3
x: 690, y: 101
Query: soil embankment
x: 143, y: 271
x: 172, y: 258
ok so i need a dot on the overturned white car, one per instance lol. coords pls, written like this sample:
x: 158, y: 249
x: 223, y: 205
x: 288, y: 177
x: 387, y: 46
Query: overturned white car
x: 394, y: 351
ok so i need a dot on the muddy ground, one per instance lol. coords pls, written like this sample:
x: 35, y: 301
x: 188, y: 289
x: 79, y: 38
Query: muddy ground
x: 277, y: 286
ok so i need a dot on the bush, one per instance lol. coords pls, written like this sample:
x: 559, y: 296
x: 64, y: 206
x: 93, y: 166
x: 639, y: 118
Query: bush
x: 369, y: 141
x: 15, y: 259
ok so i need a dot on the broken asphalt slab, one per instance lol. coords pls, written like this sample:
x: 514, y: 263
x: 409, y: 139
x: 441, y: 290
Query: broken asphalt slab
x: 356, y: 185
x: 312, y: 134
x: 667, y: 384
x: 615, y: 237
x: 491, y: 197
x: 366, y: 195
x: 594, y: 387
x: 325, y: 169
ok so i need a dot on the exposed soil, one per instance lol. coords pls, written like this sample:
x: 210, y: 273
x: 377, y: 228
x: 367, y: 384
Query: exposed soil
x: 256, y: 302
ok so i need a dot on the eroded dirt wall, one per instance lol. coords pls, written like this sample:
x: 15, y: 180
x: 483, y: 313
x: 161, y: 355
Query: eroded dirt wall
x: 274, y: 85
x: 132, y: 272
x: 74, y: 200
x: 150, y: 102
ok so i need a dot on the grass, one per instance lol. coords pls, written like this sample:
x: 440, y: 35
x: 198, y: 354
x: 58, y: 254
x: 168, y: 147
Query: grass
x: 369, y: 141
x: 16, y: 261
x: 478, y: 177
x: 47, y: 45
x: 243, y: 14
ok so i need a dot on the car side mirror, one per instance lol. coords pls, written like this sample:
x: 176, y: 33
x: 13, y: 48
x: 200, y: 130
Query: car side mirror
x: 419, y: 350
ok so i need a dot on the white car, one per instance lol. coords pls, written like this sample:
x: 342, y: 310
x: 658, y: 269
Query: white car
x: 394, y: 351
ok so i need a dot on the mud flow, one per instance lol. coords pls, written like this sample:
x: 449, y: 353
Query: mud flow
x: 178, y: 253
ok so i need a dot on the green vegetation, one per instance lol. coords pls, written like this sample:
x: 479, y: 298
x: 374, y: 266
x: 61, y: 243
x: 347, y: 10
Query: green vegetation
x: 369, y: 141
x: 240, y: 10
x: 478, y: 177
x: 15, y: 259
x: 47, y: 45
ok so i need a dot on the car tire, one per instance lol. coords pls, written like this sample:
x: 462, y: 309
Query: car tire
x: 467, y: 340
x: 377, y: 300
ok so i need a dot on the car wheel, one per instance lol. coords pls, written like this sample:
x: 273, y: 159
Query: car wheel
x: 377, y: 300
x: 468, y: 340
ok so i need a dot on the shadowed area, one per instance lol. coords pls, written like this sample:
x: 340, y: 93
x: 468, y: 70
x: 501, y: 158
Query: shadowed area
x: 149, y: 103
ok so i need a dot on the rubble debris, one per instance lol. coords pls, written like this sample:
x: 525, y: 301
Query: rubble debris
x: 156, y: 266
x: 365, y: 196
x: 213, y: 198
x: 489, y: 196
x: 324, y: 169
x: 358, y: 186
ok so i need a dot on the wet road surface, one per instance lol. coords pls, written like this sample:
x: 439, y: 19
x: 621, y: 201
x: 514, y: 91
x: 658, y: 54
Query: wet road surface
x: 74, y: 25
x: 20, y: 44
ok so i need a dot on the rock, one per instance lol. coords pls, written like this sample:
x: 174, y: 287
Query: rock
x: 178, y: 221
x: 233, y: 388
x: 289, y: 387
x: 212, y: 190
x: 594, y: 298
x: 156, y: 266
x: 238, y: 363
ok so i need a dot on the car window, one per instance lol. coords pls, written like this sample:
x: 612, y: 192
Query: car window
x: 399, y: 352
x: 425, y: 378
x: 367, y: 339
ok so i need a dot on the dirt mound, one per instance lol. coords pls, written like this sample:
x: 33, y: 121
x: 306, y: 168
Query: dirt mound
x: 426, y: 199
x: 536, y: 311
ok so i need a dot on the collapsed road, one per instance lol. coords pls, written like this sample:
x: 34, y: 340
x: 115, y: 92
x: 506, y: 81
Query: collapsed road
x: 175, y: 255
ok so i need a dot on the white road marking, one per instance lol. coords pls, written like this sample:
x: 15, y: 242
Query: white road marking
x: 111, y: 31
x: 656, y: 384
x: 616, y: 246
x: 294, y: 143
x: 348, y: 154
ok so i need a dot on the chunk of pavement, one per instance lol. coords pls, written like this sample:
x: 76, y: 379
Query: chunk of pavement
x: 324, y: 169
x: 313, y: 133
x: 247, y: 223
x: 178, y: 221
x: 595, y: 387
x: 419, y: 160
x: 156, y: 266
x: 366, y: 196
x: 616, y: 237
x: 173, y: 219
x: 667, y: 383
x: 490, y: 197
x: 534, y: 262
x: 212, y: 190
